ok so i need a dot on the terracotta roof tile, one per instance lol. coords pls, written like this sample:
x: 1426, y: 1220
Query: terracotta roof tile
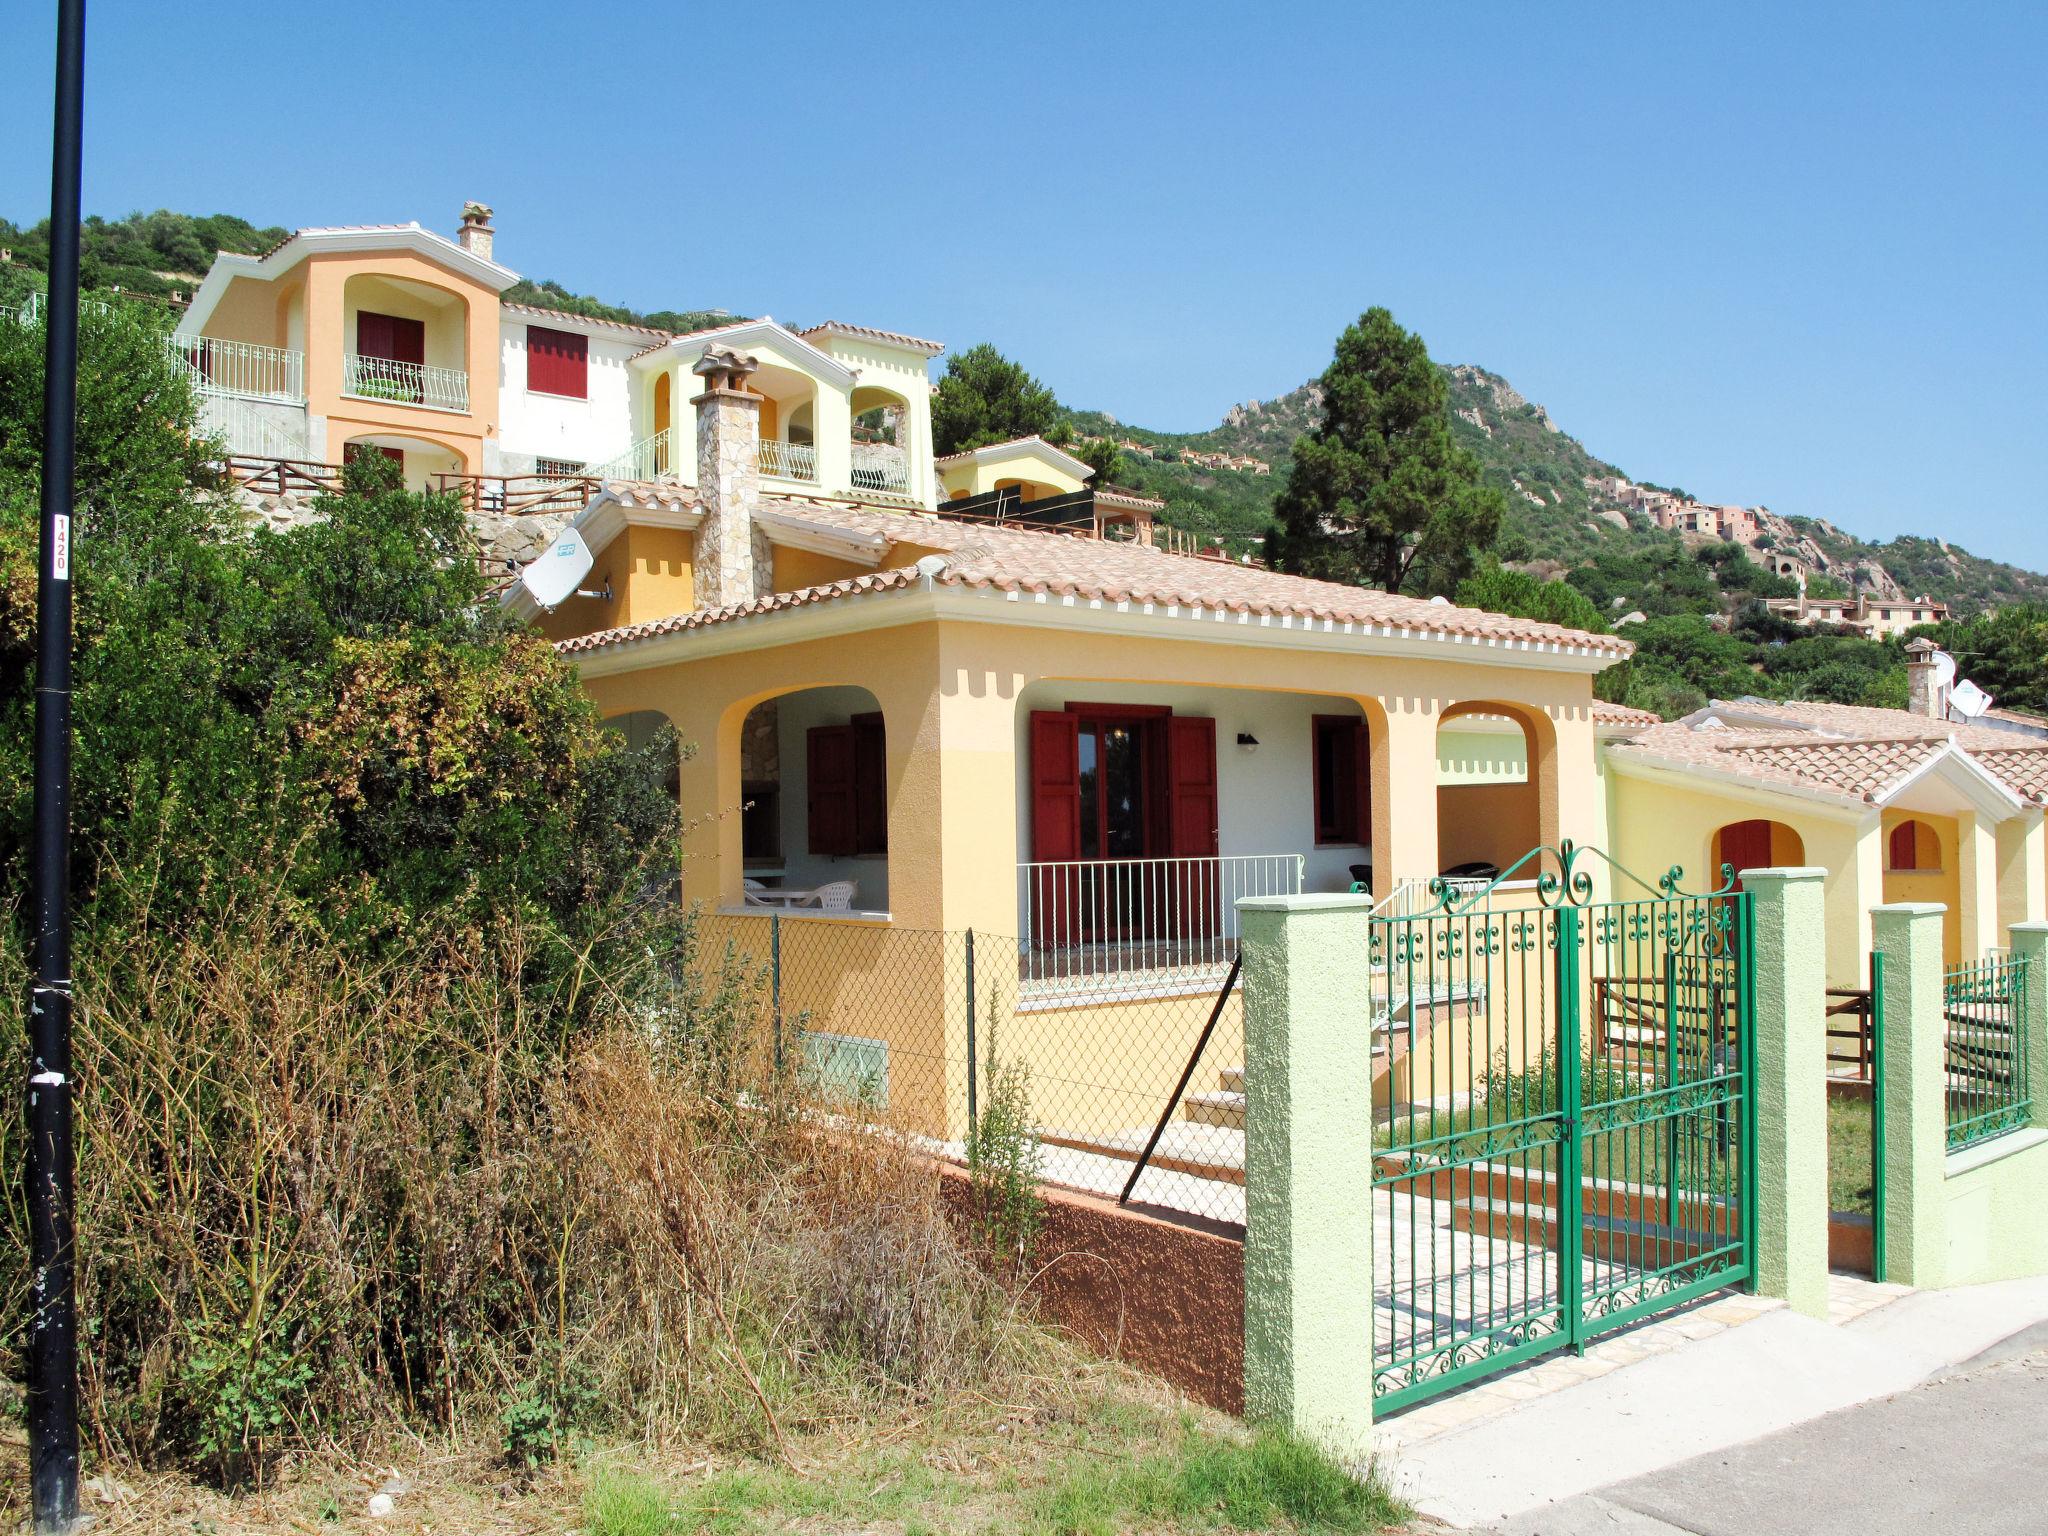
x: 840, y: 328
x: 1059, y: 565
x: 878, y: 581
x: 1620, y: 714
x: 2023, y: 770
x: 334, y: 229
x: 1854, y: 770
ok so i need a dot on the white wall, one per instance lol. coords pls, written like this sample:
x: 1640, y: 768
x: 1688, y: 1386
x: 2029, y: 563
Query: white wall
x: 535, y: 426
x: 799, y: 712
x: 1266, y: 799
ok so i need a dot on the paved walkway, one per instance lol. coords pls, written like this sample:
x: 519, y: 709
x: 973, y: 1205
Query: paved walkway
x: 1961, y: 1454
x: 1517, y: 1469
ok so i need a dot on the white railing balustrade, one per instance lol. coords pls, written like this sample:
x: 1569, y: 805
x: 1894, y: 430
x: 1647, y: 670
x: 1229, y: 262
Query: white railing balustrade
x: 384, y: 378
x: 1087, y: 920
x: 652, y: 458
x: 240, y: 368
x: 788, y: 461
x: 880, y: 468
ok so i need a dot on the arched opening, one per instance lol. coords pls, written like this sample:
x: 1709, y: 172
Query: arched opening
x: 664, y: 420
x: 814, y: 817
x: 1028, y: 490
x: 1755, y: 844
x: 789, y: 437
x: 1921, y: 864
x: 881, y: 441
x: 1913, y: 847
x: 421, y: 462
x: 1489, y: 800
x: 407, y: 342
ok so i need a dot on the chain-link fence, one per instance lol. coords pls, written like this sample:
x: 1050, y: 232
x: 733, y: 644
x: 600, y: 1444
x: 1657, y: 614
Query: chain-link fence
x: 938, y: 1031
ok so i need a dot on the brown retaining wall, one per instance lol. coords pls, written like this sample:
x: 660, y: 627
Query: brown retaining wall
x: 1166, y: 1296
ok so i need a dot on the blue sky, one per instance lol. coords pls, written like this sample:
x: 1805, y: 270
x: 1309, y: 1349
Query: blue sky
x: 1790, y: 254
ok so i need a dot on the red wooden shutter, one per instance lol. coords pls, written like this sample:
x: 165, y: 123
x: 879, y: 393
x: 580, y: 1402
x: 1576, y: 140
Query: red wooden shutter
x: 1191, y: 786
x: 1361, y: 767
x: 557, y: 362
x: 1055, y: 786
x: 870, y: 785
x: 392, y: 337
x: 829, y: 789
x: 1745, y: 845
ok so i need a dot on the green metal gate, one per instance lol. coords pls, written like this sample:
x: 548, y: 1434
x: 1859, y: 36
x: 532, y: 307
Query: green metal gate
x: 1562, y: 1113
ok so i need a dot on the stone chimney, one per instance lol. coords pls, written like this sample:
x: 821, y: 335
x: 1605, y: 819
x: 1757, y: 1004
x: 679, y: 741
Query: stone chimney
x: 1923, y: 695
x: 728, y: 480
x: 476, y: 233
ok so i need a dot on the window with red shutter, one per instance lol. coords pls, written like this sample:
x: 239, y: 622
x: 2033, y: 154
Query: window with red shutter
x: 829, y: 755
x: 1191, y: 786
x: 870, y: 786
x: 391, y: 337
x: 557, y: 362
x: 1055, y: 786
x: 1343, y: 781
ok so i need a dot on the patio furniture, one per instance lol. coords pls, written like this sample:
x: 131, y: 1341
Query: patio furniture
x: 836, y: 895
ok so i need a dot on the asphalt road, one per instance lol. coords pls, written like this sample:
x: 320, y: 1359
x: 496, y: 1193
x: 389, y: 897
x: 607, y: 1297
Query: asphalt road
x: 1964, y: 1453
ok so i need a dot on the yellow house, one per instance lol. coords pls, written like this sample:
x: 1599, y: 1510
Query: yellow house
x: 911, y: 723
x: 1896, y: 805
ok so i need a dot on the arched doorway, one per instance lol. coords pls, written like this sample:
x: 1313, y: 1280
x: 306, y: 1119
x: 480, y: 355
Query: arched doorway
x: 1489, y: 797
x: 1755, y: 844
x: 814, y: 813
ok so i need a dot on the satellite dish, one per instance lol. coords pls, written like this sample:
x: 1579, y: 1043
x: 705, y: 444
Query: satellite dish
x: 1970, y: 701
x: 553, y: 575
x: 1944, y: 669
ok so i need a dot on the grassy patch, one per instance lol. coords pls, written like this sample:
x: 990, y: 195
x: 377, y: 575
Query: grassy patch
x: 1849, y: 1155
x: 1272, y: 1481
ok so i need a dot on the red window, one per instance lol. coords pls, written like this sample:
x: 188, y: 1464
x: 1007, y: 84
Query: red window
x: 1914, y: 846
x: 557, y: 362
x: 1744, y: 845
x: 392, y: 337
x: 350, y: 452
x: 847, y: 795
x: 1343, y: 782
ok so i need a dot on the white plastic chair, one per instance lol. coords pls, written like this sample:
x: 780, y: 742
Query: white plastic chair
x: 750, y: 893
x: 836, y: 895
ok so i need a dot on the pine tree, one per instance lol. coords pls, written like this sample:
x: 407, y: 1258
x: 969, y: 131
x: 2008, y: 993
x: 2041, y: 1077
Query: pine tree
x: 985, y: 398
x: 1380, y: 494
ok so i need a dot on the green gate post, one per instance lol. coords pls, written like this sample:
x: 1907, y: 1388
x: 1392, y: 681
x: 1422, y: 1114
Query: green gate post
x: 1908, y: 935
x: 1308, y: 1284
x: 1788, y: 1084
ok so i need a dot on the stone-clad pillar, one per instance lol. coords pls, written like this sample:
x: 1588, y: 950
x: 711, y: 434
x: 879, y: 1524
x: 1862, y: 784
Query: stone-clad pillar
x: 728, y: 481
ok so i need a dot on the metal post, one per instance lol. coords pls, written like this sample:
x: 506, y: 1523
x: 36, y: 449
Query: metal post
x: 53, y: 1320
x: 775, y: 980
x: 1571, y: 1191
x: 1877, y: 1141
x: 973, y: 1106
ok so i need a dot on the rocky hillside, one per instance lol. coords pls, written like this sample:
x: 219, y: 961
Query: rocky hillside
x: 1554, y: 513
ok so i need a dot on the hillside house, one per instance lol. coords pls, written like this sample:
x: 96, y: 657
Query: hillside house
x: 1897, y: 805
x: 1875, y: 617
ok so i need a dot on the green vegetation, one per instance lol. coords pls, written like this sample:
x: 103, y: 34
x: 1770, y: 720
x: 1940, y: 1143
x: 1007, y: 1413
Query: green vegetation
x: 1379, y: 492
x: 985, y: 398
x: 2005, y: 652
x: 552, y: 295
x: 160, y: 254
x: 1849, y: 1154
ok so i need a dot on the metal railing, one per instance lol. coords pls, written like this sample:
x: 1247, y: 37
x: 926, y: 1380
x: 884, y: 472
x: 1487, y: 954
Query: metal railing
x: 1081, y: 920
x: 882, y: 473
x: 1984, y: 1079
x: 384, y: 378
x: 652, y: 458
x: 788, y: 461
x: 240, y: 367
x: 252, y: 428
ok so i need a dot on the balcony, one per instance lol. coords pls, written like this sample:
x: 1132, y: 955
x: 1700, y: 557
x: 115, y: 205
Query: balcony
x: 384, y: 378
x: 1169, y: 920
x: 242, y: 369
x: 789, y: 461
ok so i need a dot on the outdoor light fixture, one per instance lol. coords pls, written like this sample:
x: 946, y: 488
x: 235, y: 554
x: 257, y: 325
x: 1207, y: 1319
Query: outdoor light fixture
x: 1248, y: 741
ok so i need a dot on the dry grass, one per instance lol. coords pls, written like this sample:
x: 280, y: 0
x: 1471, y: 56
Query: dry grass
x: 1074, y: 1446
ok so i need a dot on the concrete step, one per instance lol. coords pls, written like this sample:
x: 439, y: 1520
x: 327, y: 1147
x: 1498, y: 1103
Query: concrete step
x: 1223, y: 1107
x: 1206, y: 1151
x: 1231, y: 1079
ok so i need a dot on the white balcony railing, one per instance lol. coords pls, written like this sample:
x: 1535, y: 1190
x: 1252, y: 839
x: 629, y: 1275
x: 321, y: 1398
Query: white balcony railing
x: 788, y: 461
x: 1082, y: 922
x: 254, y: 429
x: 241, y: 368
x: 883, y: 471
x: 652, y: 458
x: 384, y: 378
